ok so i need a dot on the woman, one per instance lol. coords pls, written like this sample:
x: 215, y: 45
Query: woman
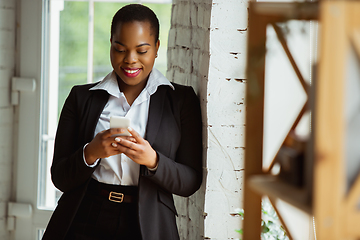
x: 121, y: 187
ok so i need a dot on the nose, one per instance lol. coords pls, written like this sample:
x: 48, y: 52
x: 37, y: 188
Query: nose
x: 130, y: 57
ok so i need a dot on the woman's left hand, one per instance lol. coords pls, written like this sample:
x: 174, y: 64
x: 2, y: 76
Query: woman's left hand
x: 139, y: 150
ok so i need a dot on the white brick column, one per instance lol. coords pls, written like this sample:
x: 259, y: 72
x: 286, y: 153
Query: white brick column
x: 207, y: 50
x: 188, y: 64
x: 226, y: 118
x: 7, y: 68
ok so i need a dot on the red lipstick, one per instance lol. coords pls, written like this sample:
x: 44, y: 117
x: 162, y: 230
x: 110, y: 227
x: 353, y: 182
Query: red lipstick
x: 131, y: 72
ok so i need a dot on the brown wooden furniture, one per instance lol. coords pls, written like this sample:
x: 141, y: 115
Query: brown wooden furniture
x: 323, y: 193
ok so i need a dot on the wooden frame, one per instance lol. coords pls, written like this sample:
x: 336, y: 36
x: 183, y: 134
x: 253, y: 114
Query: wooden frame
x: 336, y: 213
x: 257, y: 181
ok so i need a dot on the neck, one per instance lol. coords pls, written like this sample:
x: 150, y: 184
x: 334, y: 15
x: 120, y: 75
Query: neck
x: 131, y: 92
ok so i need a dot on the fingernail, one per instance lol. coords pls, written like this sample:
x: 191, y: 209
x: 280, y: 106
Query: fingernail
x: 117, y: 139
x: 129, y: 128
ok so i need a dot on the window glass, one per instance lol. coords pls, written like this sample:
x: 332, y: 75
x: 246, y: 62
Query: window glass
x: 73, y: 47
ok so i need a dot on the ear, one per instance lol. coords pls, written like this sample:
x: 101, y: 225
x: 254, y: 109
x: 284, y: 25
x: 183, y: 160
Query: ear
x: 157, y: 45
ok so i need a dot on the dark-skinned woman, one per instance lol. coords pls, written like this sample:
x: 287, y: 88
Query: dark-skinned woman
x: 121, y: 187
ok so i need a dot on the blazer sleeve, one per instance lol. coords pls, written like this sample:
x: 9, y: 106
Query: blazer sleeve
x: 68, y: 169
x: 183, y: 175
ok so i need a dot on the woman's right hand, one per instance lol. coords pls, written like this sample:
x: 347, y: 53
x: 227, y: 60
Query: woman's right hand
x: 102, y: 145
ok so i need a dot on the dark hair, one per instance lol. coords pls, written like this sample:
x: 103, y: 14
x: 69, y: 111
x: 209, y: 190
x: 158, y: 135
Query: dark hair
x: 136, y: 12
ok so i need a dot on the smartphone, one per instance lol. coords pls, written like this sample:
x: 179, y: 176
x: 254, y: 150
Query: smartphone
x: 120, y: 122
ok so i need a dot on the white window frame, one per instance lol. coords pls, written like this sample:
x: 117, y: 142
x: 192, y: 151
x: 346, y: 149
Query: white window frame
x: 30, y: 60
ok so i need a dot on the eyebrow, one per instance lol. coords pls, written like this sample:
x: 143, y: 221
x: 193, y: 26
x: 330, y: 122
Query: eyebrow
x: 140, y: 45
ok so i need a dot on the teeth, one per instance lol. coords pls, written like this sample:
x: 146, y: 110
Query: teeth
x: 131, y: 71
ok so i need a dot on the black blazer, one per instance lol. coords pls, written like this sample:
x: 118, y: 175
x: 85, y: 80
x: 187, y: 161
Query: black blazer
x: 173, y: 130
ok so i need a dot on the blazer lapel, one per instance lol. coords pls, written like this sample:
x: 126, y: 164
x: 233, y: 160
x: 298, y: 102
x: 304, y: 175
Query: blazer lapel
x: 155, y: 114
x: 98, y: 102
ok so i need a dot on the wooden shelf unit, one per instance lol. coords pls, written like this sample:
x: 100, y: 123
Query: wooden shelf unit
x: 274, y: 188
x: 336, y: 211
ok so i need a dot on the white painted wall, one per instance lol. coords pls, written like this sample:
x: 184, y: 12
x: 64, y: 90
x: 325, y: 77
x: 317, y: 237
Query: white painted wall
x: 7, y: 69
x: 207, y: 50
x: 226, y: 118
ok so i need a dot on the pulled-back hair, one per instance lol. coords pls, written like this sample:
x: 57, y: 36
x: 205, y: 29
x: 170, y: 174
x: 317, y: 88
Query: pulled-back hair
x: 136, y: 12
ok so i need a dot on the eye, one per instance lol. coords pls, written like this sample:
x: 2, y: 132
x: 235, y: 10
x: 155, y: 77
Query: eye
x: 142, y: 52
x: 118, y: 50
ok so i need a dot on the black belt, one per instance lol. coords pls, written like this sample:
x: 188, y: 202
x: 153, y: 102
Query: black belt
x: 114, y: 193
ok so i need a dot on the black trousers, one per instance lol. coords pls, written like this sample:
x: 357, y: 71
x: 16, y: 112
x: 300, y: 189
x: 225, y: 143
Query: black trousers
x: 98, y: 218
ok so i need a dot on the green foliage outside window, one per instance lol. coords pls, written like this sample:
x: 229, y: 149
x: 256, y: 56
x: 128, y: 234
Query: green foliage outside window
x: 271, y: 228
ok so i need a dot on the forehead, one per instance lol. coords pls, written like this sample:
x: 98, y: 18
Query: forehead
x: 133, y: 27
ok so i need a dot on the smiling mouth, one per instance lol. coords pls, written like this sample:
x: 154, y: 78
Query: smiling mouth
x: 131, y: 72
